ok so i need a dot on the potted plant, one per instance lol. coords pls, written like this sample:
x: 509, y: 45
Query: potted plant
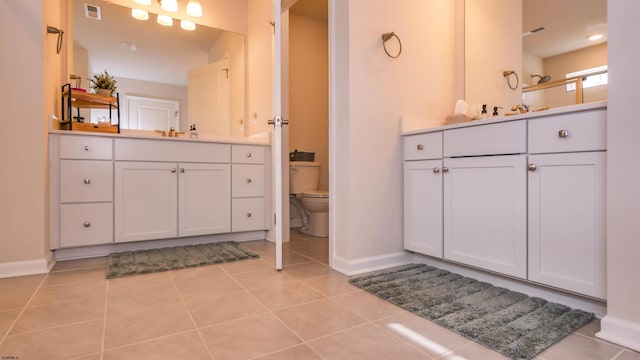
x: 103, y: 84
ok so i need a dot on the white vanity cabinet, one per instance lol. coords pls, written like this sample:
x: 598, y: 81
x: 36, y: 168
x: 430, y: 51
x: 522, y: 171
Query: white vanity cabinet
x: 567, y: 175
x: 423, y: 194
x: 156, y: 198
x: 248, y: 188
x: 82, y: 191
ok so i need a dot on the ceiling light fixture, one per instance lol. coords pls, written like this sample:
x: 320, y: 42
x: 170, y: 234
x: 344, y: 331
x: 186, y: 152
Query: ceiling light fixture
x: 169, y: 5
x: 194, y: 8
x: 165, y: 20
x: 142, y: 2
x: 140, y: 14
x: 595, y: 37
x: 187, y: 25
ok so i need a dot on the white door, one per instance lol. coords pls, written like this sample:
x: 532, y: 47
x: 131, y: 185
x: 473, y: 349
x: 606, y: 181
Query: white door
x: 485, y: 212
x: 209, y: 101
x: 152, y: 114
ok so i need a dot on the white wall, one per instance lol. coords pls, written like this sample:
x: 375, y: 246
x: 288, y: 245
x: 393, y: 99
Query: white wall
x: 622, y: 322
x: 370, y: 93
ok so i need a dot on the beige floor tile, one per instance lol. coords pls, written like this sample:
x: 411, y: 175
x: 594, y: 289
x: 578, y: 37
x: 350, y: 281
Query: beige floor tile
x: 6, y: 320
x: 262, y: 278
x: 81, y: 264
x: 196, y: 273
x: 248, y: 338
x: 205, y: 289
x: 473, y: 350
x: 629, y: 355
x: 286, y: 295
x: 139, y: 282
x: 181, y: 346
x: 319, y: 318
x: 59, y: 313
x: 366, y: 305
x: 96, y: 356
x: 288, y: 258
x: 225, y: 308
x: 590, y: 329
x: 580, y: 347
x: 236, y: 267
x: 21, y: 282
x: 147, y: 324
x: 121, y: 301
x: 367, y: 342
x: 68, y: 292
x: 307, y: 270
x: 422, y: 334
x: 93, y: 275
x: 15, y: 299
x: 300, y: 352
x: 331, y: 285
x: 60, y: 343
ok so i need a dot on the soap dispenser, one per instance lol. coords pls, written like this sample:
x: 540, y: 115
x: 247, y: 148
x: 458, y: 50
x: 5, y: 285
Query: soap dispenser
x: 495, y: 110
x: 484, y: 112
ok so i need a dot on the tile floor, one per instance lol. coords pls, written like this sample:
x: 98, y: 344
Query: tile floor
x: 242, y: 310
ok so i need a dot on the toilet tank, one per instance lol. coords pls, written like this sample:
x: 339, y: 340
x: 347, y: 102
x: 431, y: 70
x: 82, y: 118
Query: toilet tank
x: 303, y: 175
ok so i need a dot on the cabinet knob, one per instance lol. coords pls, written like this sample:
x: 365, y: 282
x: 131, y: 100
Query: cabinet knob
x: 248, y: 215
x: 87, y: 224
x: 248, y: 181
x: 86, y: 148
x: 181, y: 170
x: 87, y: 181
x: 445, y: 169
x: 419, y: 147
x: 436, y: 170
x: 532, y: 167
x: 248, y: 154
x: 563, y: 134
x: 173, y: 170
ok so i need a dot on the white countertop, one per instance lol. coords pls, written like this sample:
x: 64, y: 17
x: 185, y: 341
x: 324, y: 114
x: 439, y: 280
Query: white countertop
x: 261, y: 139
x: 499, y: 119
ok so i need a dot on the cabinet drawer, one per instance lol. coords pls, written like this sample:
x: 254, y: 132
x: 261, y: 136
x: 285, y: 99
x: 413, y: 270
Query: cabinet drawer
x: 171, y: 150
x: 491, y: 139
x: 582, y: 131
x: 247, y: 214
x: 247, y: 180
x: 423, y: 146
x: 86, y: 181
x: 247, y: 154
x: 86, y: 224
x: 86, y: 147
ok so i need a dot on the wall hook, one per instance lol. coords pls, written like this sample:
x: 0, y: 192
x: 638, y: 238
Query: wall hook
x: 54, y: 30
x: 388, y: 36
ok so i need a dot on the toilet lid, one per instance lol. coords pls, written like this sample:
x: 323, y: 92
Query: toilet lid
x: 315, y: 194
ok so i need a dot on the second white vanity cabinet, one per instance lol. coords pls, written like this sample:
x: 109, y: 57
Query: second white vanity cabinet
x: 156, y: 199
x: 248, y: 188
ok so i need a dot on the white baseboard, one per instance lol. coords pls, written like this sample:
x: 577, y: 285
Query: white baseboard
x: 620, y: 331
x: 106, y: 249
x: 369, y: 264
x: 27, y: 267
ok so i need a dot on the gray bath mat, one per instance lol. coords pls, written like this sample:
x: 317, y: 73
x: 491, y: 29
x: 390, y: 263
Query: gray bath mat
x: 173, y: 258
x: 508, y: 322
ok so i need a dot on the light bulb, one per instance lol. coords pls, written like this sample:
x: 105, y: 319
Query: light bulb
x: 165, y: 20
x: 139, y: 14
x: 595, y: 37
x: 142, y: 2
x: 194, y: 8
x: 169, y: 5
x: 187, y: 25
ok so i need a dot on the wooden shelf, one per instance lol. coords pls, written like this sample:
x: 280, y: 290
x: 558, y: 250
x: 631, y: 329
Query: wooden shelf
x: 84, y: 100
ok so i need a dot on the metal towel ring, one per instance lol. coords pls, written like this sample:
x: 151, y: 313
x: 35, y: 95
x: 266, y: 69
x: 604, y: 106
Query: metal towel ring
x: 507, y: 75
x: 386, y: 37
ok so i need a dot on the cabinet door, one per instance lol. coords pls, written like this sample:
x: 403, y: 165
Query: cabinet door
x: 567, y: 221
x: 423, y: 207
x: 204, y: 199
x: 485, y: 213
x: 145, y: 201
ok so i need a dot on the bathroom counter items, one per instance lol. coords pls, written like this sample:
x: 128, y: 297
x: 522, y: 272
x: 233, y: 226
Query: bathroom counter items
x: 116, y: 193
x: 520, y: 196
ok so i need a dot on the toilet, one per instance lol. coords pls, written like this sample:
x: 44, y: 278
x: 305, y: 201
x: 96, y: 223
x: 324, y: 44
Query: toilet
x: 310, y: 207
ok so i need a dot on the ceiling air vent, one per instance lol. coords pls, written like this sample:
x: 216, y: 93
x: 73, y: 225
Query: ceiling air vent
x: 92, y: 11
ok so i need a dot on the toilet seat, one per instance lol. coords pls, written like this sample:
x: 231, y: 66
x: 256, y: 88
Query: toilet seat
x: 315, y: 194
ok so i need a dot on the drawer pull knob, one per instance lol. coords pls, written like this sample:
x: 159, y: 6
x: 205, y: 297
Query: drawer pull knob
x: 87, y: 181
x: 87, y: 224
x: 248, y: 215
x: 173, y: 170
x: 532, y: 167
x: 436, y: 170
x: 419, y: 147
x: 445, y: 169
x: 563, y: 134
x: 86, y: 148
x: 248, y: 181
x: 181, y: 170
x: 249, y: 154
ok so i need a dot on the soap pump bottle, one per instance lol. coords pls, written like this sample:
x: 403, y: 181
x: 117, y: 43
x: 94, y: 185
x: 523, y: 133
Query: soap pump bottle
x: 495, y: 110
x: 484, y: 112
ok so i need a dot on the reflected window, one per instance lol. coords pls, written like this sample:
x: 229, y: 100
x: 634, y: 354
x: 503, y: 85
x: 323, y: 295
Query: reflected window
x: 593, y: 77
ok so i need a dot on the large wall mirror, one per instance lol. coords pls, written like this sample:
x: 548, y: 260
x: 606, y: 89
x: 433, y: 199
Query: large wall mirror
x: 167, y: 76
x: 546, y: 45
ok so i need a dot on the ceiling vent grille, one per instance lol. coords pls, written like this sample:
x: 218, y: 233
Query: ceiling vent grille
x: 92, y: 11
